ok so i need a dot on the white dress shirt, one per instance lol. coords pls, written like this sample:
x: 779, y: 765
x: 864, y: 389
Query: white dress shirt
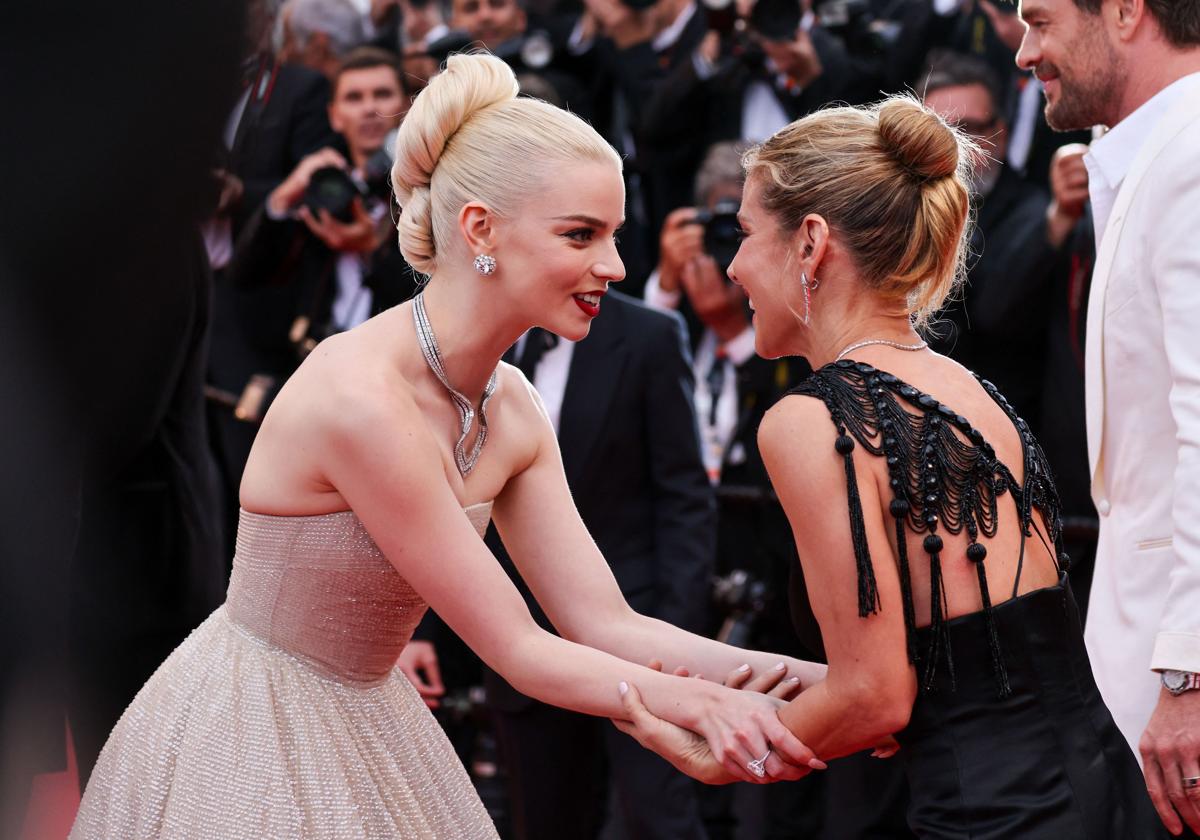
x: 717, y: 432
x: 1109, y: 158
x: 550, y: 376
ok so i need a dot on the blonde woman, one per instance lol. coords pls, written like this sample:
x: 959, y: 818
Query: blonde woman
x: 375, y: 473
x: 923, y: 510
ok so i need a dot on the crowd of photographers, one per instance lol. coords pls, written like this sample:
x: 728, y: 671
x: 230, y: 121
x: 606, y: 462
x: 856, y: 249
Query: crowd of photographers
x: 301, y: 243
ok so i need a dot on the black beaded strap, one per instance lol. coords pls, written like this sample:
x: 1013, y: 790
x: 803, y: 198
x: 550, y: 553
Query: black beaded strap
x: 942, y: 473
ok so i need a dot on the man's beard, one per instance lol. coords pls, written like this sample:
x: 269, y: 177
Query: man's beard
x: 1083, y: 96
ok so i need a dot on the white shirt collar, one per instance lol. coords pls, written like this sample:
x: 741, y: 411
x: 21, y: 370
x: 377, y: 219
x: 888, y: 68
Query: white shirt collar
x: 667, y: 38
x: 1111, y: 157
x: 1113, y: 154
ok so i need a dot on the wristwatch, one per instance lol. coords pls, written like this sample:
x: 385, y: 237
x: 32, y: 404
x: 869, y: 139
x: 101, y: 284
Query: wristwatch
x: 1178, y: 682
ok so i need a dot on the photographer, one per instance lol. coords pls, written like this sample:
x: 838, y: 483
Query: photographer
x: 757, y: 71
x: 744, y: 78
x: 330, y: 218
x: 734, y: 388
x: 997, y: 328
x: 319, y: 256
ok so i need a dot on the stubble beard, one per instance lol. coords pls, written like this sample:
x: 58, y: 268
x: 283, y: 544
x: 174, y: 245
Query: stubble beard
x: 1087, y: 91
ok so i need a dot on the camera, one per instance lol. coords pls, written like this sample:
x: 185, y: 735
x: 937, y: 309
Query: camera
x: 454, y: 41
x: 742, y: 599
x: 856, y: 23
x: 722, y: 233
x: 742, y: 36
x: 333, y: 189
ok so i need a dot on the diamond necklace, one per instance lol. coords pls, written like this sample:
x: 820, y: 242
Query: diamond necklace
x: 466, y: 412
x: 910, y: 347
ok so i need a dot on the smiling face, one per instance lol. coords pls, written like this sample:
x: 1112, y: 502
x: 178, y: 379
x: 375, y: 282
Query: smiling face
x: 558, y: 252
x: 769, y: 273
x: 1071, y: 52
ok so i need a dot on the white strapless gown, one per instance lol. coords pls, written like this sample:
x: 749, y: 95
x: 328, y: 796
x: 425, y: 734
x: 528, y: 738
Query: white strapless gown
x: 282, y: 715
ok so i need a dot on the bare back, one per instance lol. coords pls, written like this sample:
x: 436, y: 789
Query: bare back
x: 952, y: 385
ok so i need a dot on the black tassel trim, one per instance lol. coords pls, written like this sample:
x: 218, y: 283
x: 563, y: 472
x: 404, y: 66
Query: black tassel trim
x: 906, y: 593
x: 976, y: 553
x: 868, y: 590
x: 939, y: 642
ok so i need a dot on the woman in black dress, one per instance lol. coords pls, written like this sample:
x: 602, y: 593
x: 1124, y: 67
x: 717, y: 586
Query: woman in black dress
x: 924, y: 512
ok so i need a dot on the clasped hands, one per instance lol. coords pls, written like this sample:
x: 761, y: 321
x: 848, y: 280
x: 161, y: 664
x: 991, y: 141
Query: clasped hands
x: 743, y: 729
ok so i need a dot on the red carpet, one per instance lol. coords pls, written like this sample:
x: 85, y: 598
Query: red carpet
x: 53, y: 801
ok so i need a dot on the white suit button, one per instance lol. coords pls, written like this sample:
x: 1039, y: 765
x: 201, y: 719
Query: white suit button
x: 1105, y: 507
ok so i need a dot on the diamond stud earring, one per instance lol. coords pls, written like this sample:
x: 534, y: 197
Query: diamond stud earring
x: 485, y: 264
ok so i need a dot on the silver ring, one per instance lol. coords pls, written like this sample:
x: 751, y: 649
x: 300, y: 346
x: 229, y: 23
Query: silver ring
x: 1190, y: 782
x: 758, y: 766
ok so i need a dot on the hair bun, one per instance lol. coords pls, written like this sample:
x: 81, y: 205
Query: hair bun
x: 918, y: 138
x: 469, y: 83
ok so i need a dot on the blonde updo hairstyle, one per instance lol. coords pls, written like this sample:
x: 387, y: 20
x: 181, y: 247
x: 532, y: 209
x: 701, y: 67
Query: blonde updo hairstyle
x: 891, y: 180
x: 467, y: 137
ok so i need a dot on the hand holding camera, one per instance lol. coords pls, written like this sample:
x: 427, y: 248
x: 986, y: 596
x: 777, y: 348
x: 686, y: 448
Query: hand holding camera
x: 681, y: 241
x: 321, y: 192
x: 283, y: 199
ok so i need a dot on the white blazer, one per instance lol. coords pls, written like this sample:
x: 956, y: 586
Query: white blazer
x: 1143, y: 422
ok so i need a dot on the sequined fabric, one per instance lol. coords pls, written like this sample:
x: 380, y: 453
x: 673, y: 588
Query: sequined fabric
x: 282, y: 716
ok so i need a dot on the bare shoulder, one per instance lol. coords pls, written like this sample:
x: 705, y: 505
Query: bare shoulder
x: 344, y: 401
x: 796, y: 441
x: 521, y: 399
x: 796, y: 427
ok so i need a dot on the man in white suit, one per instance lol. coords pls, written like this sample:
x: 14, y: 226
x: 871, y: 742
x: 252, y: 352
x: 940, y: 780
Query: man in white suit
x: 1134, y: 65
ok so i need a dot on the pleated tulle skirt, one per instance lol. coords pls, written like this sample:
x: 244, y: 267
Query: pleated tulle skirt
x: 233, y: 737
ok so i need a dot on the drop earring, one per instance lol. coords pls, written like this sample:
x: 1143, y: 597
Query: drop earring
x: 485, y: 264
x: 808, y: 288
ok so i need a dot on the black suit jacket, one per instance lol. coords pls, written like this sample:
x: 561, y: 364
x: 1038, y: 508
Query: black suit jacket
x: 284, y: 120
x: 687, y: 114
x: 277, y: 129
x: 997, y: 327
x: 631, y: 452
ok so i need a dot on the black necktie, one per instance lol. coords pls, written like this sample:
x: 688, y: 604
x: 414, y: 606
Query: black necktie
x: 716, y: 384
x: 537, y: 342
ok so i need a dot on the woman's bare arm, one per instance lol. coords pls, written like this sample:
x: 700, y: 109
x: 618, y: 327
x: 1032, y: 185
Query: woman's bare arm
x: 573, y: 583
x: 870, y: 686
x: 379, y: 455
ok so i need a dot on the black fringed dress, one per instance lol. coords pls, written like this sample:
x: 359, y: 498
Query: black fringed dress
x: 1009, y: 737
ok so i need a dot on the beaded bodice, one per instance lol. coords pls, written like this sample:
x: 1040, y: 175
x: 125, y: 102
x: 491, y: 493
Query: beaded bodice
x: 320, y: 589
x: 943, y: 475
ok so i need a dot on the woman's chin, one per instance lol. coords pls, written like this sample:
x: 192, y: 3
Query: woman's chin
x: 571, y: 332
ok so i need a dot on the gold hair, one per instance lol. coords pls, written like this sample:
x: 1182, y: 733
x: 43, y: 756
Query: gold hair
x: 890, y: 180
x: 468, y: 138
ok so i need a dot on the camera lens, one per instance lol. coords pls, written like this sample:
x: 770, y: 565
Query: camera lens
x: 333, y: 190
x: 722, y: 232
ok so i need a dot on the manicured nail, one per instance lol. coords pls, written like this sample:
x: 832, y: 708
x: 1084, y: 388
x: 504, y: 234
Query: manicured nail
x: 780, y: 666
x: 623, y: 687
x: 743, y: 668
x: 794, y: 680
x: 818, y: 764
